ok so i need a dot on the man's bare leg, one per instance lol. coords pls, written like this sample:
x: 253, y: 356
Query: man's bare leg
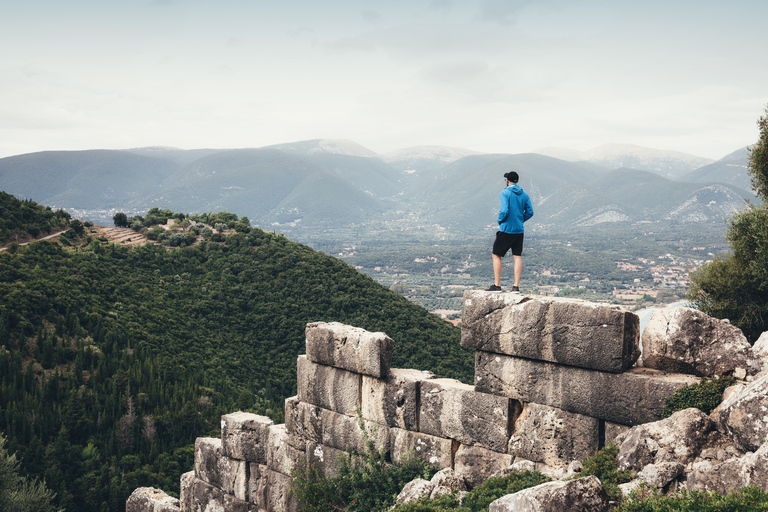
x: 497, y: 269
x: 518, y: 268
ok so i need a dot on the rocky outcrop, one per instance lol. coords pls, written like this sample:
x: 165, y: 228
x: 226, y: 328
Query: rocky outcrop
x: 686, y: 340
x: 552, y: 385
x: 585, y: 494
x: 149, y: 499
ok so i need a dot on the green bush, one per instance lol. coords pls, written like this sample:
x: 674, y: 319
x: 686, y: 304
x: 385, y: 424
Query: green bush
x: 365, y: 481
x: 604, y: 466
x: 706, y: 395
x: 644, y: 499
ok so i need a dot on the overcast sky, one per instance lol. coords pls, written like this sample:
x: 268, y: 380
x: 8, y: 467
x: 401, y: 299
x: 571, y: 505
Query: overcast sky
x: 487, y: 75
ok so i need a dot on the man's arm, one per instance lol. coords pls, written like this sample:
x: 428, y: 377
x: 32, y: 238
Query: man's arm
x: 503, y: 206
x: 528, y: 212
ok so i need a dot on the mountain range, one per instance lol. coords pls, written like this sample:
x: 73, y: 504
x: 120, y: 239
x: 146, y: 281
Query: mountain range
x: 315, y: 185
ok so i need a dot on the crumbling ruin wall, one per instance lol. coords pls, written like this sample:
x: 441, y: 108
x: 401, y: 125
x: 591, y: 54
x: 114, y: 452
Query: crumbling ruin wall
x: 555, y: 379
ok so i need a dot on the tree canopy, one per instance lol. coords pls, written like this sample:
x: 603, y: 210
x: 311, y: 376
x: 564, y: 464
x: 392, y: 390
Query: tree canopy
x: 735, y: 286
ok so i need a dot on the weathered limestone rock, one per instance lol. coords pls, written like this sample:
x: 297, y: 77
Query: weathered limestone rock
x: 214, y: 467
x: 434, y: 450
x: 630, y: 398
x: 333, y: 429
x: 277, y: 493
x: 476, y: 464
x: 585, y: 495
x: 760, y: 352
x: 454, y: 410
x: 244, y: 436
x: 718, y: 447
x: 282, y: 457
x: 729, y: 394
x: 449, y: 478
x: 661, y: 474
x: 257, y: 485
x: 328, y: 387
x: 612, y: 431
x: 207, y: 498
x: 553, y: 436
x: 394, y: 401
x: 751, y: 469
x: 565, y: 331
x: 745, y: 416
x: 678, y: 438
x: 414, y: 490
x: 686, y: 340
x: 349, y: 348
x: 324, y: 458
x: 149, y: 499
x: 186, y: 490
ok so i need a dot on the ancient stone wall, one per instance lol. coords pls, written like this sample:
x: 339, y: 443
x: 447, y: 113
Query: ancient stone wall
x: 554, y: 381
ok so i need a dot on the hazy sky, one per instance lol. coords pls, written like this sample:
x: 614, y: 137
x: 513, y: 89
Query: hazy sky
x: 487, y: 75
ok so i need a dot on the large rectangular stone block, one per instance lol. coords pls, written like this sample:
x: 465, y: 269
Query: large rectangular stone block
x: 340, y: 431
x: 214, y: 467
x: 282, y: 457
x: 565, y: 331
x: 432, y: 449
x: 553, y: 436
x: 454, y: 410
x: 328, y: 387
x: 277, y: 492
x: 206, y: 498
x: 244, y: 436
x: 349, y: 348
x: 186, y: 491
x: 476, y: 463
x: 324, y: 459
x: 629, y: 398
x: 394, y: 400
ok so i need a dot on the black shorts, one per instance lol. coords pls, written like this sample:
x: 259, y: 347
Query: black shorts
x: 506, y: 241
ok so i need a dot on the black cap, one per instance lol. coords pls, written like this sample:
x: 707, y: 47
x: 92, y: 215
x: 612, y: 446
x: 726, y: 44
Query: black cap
x: 512, y: 176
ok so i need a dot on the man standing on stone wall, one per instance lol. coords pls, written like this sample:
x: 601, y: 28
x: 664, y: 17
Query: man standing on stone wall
x: 514, y: 210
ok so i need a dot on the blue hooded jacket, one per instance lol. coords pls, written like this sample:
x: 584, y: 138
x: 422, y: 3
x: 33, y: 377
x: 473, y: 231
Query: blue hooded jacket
x: 515, y: 209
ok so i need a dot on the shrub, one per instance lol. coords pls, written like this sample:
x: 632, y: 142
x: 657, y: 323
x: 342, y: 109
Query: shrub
x: 706, y: 395
x: 748, y: 499
x: 365, y: 481
x: 604, y: 466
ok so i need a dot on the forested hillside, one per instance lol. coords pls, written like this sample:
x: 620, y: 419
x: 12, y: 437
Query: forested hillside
x: 115, y: 359
x: 23, y: 220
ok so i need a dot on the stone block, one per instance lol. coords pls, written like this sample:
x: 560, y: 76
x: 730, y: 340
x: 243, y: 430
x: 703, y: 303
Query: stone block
x: 282, y: 456
x: 149, y: 499
x: 340, y: 431
x: 206, y: 498
x: 476, y: 463
x: 564, y: 331
x: 328, y: 387
x: 257, y: 485
x: 324, y: 458
x: 454, y: 410
x: 277, y: 493
x: 585, y: 495
x: 186, y: 490
x: 349, y: 348
x: 745, y: 415
x: 553, y: 436
x: 394, y: 401
x: 434, y: 450
x: 685, y: 340
x: 214, y: 467
x: 630, y: 398
x: 244, y: 436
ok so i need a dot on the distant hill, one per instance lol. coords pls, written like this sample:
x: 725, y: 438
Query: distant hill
x: 731, y: 169
x: 670, y: 164
x: 305, y: 188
